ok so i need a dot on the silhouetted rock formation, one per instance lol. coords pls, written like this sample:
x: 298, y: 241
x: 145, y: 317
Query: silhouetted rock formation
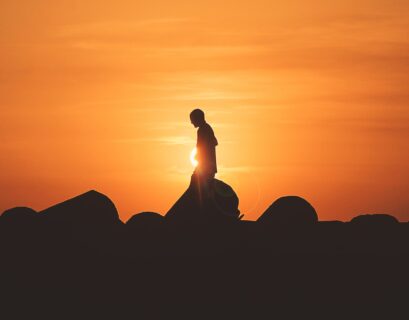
x: 91, y: 208
x: 222, y: 205
x: 152, y: 264
x: 226, y: 200
x: 146, y: 233
x: 145, y: 221
x: 374, y: 220
x: 19, y: 215
x: 290, y: 210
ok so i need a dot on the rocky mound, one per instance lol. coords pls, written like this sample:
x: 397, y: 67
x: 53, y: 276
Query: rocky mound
x: 91, y: 208
x: 221, y: 204
x: 289, y: 210
x: 374, y: 219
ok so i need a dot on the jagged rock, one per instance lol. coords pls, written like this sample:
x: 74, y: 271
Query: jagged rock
x: 289, y: 210
x: 374, y: 219
x: 90, y: 208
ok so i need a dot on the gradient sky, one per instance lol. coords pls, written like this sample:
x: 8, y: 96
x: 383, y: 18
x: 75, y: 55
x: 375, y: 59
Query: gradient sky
x: 306, y: 98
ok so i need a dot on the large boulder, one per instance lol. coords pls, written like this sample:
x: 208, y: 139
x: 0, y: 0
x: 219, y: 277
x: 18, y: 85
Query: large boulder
x: 221, y: 205
x: 225, y: 200
x: 289, y: 210
x: 21, y: 230
x: 89, y: 209
x: 146, y: 234
x: 20, y: 215
x: 374, y: 220
x: 145, y: 221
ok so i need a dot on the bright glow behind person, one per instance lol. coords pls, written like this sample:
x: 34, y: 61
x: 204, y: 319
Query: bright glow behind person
x: 193, y: 158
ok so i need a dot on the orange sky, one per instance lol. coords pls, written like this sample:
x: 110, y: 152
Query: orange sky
x: 306, y: 97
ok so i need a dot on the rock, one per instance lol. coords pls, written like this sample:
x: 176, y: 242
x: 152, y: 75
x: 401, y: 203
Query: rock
x: 22, y: 228
x: 289, y: 210
x: 145, y: 220
x: 20, y: 215
x: 374, y: 220
x: 222, y: 204
x: 226, y: 200
x: 91, y: 208
x: 145, y: 234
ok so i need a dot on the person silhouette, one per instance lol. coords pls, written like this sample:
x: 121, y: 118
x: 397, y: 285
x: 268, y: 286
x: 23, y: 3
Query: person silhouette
x: 207, y: 199
x: 206, y: 169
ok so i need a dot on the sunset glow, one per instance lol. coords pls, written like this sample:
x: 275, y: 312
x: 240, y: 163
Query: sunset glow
x: 193, y: 158
x: 306, y: 98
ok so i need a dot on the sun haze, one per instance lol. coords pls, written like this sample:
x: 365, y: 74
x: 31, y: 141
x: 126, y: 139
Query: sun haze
x: 307, y: 98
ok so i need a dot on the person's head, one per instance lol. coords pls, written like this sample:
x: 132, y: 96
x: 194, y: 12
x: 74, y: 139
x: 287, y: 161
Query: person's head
x: 197, y: 117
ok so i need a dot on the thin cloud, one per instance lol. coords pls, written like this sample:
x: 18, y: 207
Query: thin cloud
x: 237, y: 169
x: 172, y: 140
x: 115, y: 27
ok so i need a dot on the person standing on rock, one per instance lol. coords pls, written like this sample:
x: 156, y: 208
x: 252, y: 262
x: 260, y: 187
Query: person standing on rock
x: 206, y: 168
x: 207, y: 199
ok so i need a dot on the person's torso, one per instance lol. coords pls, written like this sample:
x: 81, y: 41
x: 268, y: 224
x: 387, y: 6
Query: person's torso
x: 206, y: 148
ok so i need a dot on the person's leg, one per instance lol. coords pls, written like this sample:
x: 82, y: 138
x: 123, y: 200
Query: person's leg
x: 202, y: 184
x: 207, y: 184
